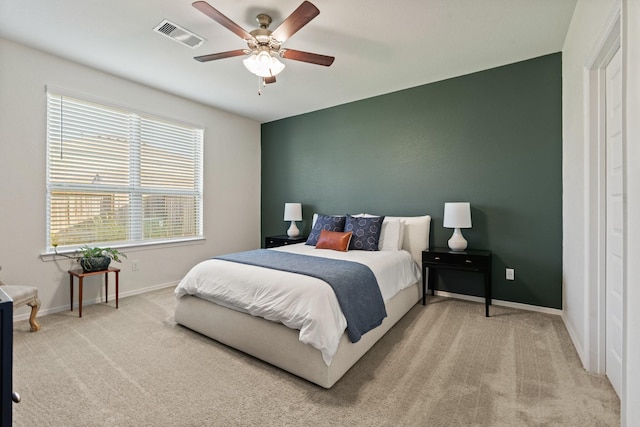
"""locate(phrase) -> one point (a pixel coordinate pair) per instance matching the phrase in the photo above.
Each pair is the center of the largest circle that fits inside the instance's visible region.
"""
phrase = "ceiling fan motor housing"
(262, 38)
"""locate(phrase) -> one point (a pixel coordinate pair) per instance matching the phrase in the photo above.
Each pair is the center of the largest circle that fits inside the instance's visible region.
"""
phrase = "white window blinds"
(117, 177)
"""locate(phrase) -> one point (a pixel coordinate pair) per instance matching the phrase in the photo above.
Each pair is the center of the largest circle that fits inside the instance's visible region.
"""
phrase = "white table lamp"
(457, 215)
(293, 213)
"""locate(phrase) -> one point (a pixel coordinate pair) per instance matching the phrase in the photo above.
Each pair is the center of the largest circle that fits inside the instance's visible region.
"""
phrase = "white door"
(615, 222)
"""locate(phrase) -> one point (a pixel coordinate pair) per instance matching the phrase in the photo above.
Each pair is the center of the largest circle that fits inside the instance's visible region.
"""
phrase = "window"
(117, 178)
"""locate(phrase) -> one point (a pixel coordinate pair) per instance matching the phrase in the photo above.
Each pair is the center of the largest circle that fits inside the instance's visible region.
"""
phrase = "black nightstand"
(275, 241)
(478, 261)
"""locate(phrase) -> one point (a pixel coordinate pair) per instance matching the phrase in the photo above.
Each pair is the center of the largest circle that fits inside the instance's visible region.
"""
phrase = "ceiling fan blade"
(221, 55)
(298, 19)
(214, 14)
(312, 58)
(271, 79)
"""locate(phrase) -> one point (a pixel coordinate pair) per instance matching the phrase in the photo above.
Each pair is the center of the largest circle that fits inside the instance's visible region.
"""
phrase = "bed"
(288, 342)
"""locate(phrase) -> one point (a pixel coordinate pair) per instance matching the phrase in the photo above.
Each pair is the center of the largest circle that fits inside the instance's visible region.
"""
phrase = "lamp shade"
(293, 212)
(262, 64)
(457, 215)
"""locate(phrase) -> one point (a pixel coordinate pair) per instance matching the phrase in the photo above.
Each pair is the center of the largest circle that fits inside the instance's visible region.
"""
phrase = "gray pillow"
(366, 232)
(325, 222)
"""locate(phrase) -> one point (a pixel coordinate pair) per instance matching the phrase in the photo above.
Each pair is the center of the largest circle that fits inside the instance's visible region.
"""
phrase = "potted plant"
(98, 259)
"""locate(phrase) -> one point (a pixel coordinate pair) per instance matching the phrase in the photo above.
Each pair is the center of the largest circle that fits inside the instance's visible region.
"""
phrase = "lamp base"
(293, 230)
(457, 242)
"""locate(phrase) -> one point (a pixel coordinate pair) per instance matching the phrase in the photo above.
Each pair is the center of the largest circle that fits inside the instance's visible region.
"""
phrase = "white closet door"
(615, 222)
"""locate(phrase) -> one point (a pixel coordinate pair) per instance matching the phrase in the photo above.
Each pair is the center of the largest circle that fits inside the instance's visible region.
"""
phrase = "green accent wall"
(492, 138)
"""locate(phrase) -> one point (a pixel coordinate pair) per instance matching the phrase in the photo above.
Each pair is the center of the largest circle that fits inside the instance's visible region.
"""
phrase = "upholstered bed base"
(279, 345)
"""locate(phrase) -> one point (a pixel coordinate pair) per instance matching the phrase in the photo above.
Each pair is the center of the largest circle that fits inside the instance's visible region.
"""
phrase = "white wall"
(231, 177)
(588, 22)
(631, 60)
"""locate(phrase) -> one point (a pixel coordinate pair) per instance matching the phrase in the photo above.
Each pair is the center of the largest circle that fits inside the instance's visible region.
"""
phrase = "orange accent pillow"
(336, 240)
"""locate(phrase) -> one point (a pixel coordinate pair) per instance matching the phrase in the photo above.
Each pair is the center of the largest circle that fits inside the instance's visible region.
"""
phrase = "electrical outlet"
(135, 265)
(511, 274)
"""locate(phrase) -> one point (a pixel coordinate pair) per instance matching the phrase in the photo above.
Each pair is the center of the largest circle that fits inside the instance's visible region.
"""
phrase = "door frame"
(595, 194)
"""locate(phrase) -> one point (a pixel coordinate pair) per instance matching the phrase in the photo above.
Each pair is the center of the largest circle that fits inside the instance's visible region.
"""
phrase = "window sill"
(137, 247)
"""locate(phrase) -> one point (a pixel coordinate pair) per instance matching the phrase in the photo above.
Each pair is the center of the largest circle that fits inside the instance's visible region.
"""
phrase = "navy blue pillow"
(366, 232)
(325, 222)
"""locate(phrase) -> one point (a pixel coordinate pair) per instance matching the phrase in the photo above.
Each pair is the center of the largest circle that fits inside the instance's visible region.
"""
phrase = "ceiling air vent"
(179, 34)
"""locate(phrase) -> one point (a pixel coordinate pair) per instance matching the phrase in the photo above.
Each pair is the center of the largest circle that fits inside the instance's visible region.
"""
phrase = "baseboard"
(97, 300)
(501, 303)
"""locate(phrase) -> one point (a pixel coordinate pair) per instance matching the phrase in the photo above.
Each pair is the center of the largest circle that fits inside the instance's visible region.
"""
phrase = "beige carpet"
(442, 365)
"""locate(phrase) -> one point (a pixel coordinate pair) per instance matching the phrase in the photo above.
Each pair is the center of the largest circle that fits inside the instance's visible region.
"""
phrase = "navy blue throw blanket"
(354, 284)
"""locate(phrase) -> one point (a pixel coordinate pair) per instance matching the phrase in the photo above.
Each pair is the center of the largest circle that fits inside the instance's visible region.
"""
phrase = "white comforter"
(297, 301)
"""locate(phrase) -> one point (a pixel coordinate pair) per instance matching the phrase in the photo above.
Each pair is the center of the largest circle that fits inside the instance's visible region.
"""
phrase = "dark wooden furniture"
(478, 261)
(275, 241)
(6, 358)
(80, 274)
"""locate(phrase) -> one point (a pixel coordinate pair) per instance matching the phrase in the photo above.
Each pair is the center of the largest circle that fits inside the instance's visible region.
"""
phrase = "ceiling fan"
(263, 45)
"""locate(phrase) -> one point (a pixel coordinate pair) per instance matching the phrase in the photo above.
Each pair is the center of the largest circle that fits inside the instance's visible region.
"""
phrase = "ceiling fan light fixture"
(262, 64)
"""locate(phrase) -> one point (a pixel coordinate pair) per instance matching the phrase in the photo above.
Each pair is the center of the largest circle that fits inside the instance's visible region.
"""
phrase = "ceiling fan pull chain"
(259, 89)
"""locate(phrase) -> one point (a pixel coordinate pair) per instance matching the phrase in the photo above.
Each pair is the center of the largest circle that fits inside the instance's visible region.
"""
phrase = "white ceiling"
(380, 46)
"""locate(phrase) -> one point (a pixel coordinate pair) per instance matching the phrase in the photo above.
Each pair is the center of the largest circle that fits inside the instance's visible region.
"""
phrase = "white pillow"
(416, 235)
(391, 235)
(403, 228)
